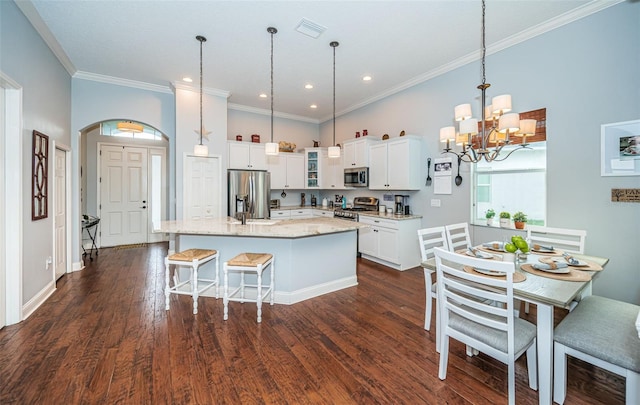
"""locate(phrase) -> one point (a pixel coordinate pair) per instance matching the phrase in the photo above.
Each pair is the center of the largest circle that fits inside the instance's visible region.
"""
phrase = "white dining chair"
(430, 238)
(568, 240)
(601, 332)
(468, 314)
(458, 236)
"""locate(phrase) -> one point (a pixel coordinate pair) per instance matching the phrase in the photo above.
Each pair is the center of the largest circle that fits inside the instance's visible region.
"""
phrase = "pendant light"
(271, 148)
(200, 149)
(334, 151)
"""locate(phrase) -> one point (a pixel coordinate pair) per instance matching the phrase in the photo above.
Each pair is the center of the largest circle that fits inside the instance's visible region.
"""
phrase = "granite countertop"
(396, 217)
(376, 214)
(301, 207)
(262, 228)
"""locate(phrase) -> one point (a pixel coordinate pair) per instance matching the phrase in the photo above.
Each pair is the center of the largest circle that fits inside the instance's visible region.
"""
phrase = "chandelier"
(129, 126)
(479, 142)
(200, 149)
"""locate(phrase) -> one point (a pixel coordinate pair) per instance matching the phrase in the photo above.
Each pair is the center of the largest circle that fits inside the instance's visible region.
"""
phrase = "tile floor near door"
(104, 337)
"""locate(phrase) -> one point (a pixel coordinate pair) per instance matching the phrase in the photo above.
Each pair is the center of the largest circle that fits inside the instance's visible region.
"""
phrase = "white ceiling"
(399, 43)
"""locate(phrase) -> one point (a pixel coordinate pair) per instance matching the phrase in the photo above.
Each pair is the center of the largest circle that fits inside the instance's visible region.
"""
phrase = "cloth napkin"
(570, 259)
(542, 248)
(549, 266)
(479, 254)
(494, 245)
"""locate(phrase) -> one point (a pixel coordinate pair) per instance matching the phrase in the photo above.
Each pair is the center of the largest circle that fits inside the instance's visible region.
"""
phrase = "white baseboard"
(35, 302)
(285, 298)
(77, 266)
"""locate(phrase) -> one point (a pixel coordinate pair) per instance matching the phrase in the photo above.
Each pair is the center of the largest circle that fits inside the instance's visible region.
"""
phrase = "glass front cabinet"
(312, 160)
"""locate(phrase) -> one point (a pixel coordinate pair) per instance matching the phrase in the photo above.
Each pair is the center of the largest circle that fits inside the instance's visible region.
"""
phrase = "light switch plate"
(435, 202)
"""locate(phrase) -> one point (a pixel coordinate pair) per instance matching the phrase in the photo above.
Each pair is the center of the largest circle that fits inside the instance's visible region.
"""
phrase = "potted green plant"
(505, 219)
(489, 216)
(519, 219)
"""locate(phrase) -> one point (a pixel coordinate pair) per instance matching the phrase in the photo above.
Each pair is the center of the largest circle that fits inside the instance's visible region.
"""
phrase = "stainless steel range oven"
(360, 204)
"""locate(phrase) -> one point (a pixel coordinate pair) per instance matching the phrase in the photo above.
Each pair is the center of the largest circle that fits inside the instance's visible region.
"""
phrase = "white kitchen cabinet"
(280, 214)
(322, 172)
(322, 213)
(246, 156)
(301, 213)
(390, 242)
(287, 171)
(331, 172)
(395, 164)
(356, 152)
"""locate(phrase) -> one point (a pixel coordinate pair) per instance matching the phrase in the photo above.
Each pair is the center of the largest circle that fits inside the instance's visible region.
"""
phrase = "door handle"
(144, 206)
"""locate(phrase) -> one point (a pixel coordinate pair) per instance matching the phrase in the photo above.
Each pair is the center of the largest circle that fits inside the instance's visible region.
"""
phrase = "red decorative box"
(255, 138)
(238, 137)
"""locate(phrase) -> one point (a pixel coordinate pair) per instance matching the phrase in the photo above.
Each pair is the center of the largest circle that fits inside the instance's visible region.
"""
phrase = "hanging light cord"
(334, 44)
(272, 30)
(484, 47)
(201, 39)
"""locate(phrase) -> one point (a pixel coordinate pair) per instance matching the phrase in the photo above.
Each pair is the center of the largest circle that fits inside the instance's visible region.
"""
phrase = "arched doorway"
(123, 181)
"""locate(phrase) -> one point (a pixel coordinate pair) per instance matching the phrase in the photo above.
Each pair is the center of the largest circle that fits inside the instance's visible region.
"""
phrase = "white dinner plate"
(563, 260)
(490, 272)
(563, 270)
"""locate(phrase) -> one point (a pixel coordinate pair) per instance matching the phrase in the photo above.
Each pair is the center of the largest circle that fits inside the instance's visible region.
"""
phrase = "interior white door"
(203, 187)
(3, 246)
(60, 218)
(123, 195)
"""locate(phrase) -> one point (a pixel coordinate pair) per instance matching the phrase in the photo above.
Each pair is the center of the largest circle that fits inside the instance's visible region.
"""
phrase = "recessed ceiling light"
(308, 86)
(187, 79)
(262, 95)
(366, 78)
(313, 106)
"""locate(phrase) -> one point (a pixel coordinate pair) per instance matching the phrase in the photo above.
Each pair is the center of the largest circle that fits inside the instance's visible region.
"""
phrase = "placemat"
(591, 265)
(517, 277)
(556, 252)
(572, 275)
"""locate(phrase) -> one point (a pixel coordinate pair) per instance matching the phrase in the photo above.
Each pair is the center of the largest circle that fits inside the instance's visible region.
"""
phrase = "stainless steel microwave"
(356, 177)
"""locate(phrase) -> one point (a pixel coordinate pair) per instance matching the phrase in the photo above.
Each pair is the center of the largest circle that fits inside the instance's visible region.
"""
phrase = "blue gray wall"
(46, 107)
(586, 75)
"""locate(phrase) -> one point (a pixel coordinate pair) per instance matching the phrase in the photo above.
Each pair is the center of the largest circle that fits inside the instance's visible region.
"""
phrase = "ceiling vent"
(307, 27)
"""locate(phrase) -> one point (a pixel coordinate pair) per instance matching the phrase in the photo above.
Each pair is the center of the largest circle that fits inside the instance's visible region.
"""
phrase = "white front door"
(123, 195)
(60, 218)
(202, 187)
(3, 247)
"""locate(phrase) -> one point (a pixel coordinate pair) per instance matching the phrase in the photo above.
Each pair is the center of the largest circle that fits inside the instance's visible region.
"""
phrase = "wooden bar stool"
(243, 263)
(193, 258)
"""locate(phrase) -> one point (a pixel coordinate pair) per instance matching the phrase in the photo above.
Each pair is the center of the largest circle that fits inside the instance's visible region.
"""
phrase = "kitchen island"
(313, 256)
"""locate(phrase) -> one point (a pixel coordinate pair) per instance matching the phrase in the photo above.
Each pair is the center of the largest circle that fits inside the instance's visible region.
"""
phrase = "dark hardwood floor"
(104, 337)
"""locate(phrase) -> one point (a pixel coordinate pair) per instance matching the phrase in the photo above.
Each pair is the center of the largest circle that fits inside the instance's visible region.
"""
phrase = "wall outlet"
(48, 262)
(435, 202)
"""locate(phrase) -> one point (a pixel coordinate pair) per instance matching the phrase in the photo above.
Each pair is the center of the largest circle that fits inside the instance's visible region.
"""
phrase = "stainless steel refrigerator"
(249, 191)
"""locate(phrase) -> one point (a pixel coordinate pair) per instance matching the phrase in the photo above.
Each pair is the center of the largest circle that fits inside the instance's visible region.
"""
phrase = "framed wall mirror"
(40, 172)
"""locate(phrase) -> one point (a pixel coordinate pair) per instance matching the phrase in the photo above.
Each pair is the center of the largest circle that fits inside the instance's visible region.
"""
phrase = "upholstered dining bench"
(602, 332)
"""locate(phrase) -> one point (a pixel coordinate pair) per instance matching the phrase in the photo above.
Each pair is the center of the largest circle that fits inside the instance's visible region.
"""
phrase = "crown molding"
(262, 111)
(95, 77)
(206, 90)
(559, 21)
(29, 11)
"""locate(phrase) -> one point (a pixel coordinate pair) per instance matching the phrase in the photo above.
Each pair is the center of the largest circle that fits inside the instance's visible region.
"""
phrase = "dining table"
(546, 293)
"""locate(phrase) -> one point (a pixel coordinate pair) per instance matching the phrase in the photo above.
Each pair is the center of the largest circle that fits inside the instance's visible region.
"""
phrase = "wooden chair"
(428, 239)
(193, 258)
(468, 314)
(458, 236)
(253, 263)
(602, 332)
(568, 240)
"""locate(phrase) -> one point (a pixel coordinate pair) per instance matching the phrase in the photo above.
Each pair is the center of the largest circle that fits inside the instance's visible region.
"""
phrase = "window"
(110, 128)
(515, 184)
